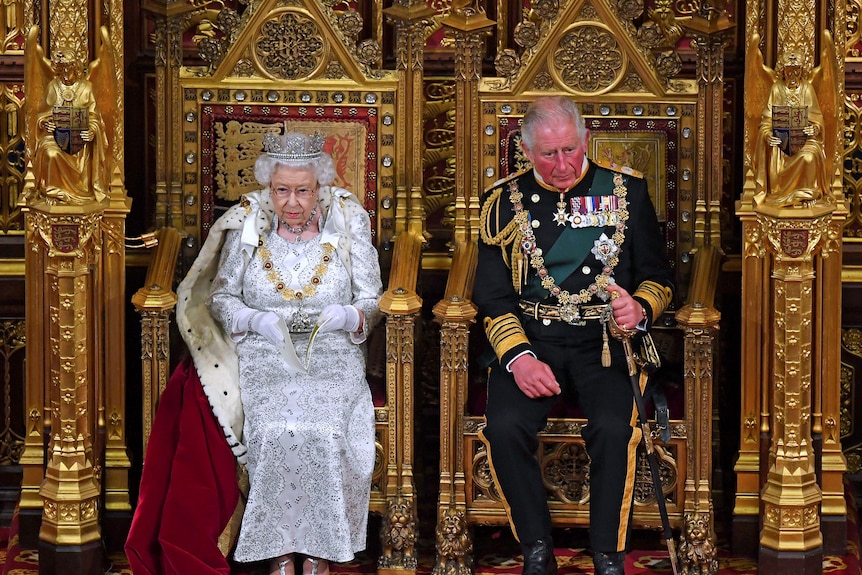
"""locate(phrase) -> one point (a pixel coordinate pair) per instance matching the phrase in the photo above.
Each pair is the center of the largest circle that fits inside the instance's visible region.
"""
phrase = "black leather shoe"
(539, 557)
(610, 563)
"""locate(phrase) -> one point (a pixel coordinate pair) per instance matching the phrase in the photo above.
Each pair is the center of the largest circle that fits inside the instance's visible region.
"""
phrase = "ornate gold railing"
(155, 302)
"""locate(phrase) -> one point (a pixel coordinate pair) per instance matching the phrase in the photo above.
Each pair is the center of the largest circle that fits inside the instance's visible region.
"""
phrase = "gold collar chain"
(275, 276)
(610, 247)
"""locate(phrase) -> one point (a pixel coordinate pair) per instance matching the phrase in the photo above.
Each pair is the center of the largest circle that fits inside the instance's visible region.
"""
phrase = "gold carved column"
(409, 18)
(710, 29)
(826, 393)
(791, 498)
(36, 377)
(68, 240)
(698, 319)
(168, 40)
(75, 206)
(755, 374)
(826, 408)
(110, 337)
(469, 25)
(790, 466)
(455, 313)
(401, 306)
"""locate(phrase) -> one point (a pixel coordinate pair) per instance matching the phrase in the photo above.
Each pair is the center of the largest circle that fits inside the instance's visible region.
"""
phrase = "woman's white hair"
(313, 159)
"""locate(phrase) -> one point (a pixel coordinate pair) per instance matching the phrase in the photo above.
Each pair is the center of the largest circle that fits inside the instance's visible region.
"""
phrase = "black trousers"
(611, 436)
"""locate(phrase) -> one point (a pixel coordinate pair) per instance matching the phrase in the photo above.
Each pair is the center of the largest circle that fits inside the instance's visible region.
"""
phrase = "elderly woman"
(288, 263)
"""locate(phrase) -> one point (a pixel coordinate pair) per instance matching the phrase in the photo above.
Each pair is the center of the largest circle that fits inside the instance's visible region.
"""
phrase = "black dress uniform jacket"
(643, 269)
(519, 221)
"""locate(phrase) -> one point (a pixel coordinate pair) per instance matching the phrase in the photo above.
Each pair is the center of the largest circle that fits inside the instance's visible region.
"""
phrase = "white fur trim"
(212, 350)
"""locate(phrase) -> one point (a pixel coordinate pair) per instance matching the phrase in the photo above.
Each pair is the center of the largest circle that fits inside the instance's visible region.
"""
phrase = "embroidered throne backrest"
(254, 85)
(231, 141)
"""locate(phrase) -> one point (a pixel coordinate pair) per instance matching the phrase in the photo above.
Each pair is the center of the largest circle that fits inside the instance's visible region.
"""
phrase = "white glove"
(242, 321)
(266, 324)
(336, 316)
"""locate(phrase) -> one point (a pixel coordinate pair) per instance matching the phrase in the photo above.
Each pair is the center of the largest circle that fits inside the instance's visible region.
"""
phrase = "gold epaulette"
(615, 167)
(489, 219)
(657, 296)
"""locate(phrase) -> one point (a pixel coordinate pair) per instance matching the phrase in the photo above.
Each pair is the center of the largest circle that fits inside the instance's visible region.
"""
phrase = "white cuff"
(358, 337)
(509, 365)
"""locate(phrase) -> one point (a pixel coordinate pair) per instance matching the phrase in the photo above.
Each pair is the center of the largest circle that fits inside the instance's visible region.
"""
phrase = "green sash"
(573, 245)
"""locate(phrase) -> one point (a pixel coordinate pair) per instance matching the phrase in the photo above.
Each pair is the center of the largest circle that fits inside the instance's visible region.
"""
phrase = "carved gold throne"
(250, 85)
(638, 118)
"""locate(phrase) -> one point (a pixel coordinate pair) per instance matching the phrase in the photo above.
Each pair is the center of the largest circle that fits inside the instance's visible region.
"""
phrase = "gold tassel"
(606, 350)
(521, 274)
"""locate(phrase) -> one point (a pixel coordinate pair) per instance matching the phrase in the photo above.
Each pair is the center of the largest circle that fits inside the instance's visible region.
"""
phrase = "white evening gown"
(310, 436)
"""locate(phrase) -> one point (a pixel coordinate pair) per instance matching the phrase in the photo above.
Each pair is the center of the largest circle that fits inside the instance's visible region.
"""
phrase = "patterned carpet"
(496, 553)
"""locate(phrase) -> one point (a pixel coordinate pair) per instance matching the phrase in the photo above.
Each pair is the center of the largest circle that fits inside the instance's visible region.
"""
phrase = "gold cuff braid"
(504, 333)
(657, 296)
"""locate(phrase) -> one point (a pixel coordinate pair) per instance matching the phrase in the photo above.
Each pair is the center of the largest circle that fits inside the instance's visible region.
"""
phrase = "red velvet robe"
(188, 488)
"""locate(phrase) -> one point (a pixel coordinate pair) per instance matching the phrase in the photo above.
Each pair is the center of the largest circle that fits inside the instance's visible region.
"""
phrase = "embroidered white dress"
(310, 437)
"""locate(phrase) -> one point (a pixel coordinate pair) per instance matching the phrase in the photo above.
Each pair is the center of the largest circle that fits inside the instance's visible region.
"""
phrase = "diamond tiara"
(293, 147)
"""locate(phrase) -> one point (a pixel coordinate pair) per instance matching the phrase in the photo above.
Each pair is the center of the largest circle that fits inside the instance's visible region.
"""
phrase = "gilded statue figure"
(69, 122)
(794, 143)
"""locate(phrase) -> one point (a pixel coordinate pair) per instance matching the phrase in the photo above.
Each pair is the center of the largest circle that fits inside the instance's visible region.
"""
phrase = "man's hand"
(628, 312)
(534, 377)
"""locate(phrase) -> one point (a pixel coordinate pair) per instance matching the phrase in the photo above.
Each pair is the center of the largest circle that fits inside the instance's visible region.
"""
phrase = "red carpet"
(496, 554)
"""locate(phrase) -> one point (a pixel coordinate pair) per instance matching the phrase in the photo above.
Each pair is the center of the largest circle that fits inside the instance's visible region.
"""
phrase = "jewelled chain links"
(274, 275)
(531, 249)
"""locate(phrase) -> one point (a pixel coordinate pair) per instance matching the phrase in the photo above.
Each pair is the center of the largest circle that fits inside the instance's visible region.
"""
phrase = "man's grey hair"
(551, 110)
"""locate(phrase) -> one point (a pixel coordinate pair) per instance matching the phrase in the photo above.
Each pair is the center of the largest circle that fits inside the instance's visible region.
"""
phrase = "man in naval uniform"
(564, 247)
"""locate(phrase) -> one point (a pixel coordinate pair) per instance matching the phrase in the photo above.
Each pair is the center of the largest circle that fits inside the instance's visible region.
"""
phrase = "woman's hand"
(266, 324)
(335, 316)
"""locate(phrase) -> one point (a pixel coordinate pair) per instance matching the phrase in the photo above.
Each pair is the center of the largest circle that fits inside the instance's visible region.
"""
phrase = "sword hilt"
(618, 332)
(624, 336)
